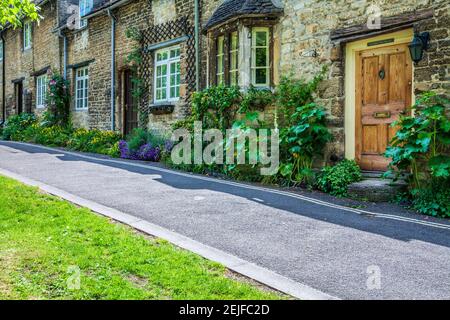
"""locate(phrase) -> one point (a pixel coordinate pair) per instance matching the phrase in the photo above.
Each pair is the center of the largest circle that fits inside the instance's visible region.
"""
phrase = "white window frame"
(1, 50)
(85, 6)
(27, 35)
(253, 57)
(82, 93)
(234, 54)
(220, 60)
(168, 62)
(41, 91)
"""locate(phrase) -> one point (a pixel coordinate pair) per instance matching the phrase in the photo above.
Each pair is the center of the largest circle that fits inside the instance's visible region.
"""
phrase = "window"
(260, 65)
(85, 8)
(27, 35)
(1, 50)
(220, 61)
(81, 88)
(226, 59)
(41, 91)
(234, 56)
(167, 75)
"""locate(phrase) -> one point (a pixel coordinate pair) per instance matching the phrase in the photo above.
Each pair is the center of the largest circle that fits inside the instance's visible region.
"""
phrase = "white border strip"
(245, 186)
(248, 269)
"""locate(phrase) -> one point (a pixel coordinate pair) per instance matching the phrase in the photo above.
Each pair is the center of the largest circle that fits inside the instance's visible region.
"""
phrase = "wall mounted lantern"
(419, 45)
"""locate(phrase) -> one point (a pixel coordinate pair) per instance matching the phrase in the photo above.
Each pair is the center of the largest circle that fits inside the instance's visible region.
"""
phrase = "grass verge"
(51, 249)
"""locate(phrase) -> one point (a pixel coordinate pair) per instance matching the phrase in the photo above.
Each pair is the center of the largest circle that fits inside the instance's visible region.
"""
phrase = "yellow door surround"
(351, 49)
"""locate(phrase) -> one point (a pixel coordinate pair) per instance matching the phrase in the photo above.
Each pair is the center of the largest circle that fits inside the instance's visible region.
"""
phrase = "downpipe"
(113, 69)
(3, 80)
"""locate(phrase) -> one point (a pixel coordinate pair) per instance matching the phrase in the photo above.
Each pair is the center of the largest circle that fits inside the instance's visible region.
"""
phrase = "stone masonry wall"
(307, 25)
(22, 64)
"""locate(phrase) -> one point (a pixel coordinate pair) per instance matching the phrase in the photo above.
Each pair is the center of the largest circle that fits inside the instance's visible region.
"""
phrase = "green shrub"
(434, 201)
(95, 141)
(422, 146)
(293, 93)
(422, 143)
(140, 136)
(58, 100)
(216, 107)
(16, 125)
(336, 179)
(302, 141)
(114, 151)
(55, 136)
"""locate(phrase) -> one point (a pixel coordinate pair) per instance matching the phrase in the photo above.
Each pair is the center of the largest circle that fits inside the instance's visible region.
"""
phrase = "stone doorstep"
(376, 189)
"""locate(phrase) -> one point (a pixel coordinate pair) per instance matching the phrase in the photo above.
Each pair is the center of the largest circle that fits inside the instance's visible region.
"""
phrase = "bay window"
(260, 59)
(234, 58)
(220, 61)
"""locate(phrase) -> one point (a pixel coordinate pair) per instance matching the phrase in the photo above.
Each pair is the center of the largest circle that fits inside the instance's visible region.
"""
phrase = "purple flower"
(149, 153)
(52, 82)
(146, 152)
(124, 151)
(168, 146)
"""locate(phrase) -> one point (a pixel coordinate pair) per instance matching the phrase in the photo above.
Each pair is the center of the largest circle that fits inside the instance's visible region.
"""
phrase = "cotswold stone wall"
(21, 63)
(92, 45)
(307, 26)
(172, 19)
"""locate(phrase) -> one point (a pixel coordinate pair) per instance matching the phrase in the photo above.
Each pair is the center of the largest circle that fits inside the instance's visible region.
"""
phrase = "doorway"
(130, 103)
(18, 96)
(383, 93)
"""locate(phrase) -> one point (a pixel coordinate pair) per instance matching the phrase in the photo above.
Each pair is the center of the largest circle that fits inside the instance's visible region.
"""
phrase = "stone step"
(376, 190)
(379, 175)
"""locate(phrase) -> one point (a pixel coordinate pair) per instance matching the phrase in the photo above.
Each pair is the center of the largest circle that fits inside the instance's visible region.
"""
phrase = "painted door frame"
(351, 50)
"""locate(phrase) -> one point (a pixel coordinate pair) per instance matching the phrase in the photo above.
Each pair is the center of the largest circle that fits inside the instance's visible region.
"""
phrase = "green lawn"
(45, 242)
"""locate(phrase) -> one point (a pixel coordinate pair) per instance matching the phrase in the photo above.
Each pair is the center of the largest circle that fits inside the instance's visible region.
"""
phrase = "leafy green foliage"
(336, 179)
(293, 93)
(422, 145)
(216, 107)
(302, 141)
(95, 141)
(15, 125)
(256, 99)
(134, 60)
(434, 201)
(140, 136)
(41, 237)
(303, 134)
(14, 11)
(58, 101)
(422, 142)
(26, 127)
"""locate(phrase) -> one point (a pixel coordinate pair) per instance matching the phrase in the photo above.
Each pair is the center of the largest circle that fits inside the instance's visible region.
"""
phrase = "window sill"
(81, 109)
(162, 108)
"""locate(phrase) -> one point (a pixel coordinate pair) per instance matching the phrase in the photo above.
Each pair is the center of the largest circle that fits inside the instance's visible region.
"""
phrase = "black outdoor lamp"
(418, 45)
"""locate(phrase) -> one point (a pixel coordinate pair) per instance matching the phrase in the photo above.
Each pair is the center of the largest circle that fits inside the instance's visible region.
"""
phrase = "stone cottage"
(186, 45)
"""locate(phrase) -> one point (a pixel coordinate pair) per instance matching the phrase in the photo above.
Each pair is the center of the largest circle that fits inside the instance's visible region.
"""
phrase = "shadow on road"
(399, 230)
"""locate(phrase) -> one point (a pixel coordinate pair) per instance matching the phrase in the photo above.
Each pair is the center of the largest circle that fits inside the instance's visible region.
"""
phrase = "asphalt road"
(350, 255)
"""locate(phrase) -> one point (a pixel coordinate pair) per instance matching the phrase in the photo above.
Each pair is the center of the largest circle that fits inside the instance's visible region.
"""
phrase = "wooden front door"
(130, 104)
(18, 96)
(383, 92)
